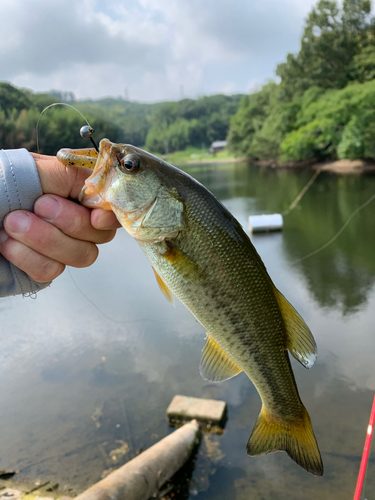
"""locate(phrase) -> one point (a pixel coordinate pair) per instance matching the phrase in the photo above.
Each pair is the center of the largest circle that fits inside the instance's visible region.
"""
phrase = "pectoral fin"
(216, 365)
(164, 289)
(300, 342)
(183, 264)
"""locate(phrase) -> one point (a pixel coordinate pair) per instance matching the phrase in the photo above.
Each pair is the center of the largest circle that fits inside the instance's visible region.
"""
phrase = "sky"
(147, 50)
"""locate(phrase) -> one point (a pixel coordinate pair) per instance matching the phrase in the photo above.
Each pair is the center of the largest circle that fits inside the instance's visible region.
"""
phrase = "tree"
(12, 98)
(362, 67)
(331, 38)
(249, 119)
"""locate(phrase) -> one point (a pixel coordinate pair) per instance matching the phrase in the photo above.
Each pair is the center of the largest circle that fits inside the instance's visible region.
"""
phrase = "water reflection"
(343, 274)
(77, 380)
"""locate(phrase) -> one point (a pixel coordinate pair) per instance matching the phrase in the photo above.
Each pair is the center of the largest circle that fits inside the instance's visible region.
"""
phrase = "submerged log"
(142, 477)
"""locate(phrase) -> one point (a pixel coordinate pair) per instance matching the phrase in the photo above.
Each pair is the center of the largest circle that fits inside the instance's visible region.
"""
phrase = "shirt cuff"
(19, 181)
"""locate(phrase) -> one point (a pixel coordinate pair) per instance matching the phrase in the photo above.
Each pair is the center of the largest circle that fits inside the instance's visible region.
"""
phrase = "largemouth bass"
(201, 255)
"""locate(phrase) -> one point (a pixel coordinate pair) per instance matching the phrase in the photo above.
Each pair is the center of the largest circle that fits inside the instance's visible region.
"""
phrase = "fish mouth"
(91, 195)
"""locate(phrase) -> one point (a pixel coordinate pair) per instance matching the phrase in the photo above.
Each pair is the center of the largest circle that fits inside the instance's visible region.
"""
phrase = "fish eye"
(130, 164)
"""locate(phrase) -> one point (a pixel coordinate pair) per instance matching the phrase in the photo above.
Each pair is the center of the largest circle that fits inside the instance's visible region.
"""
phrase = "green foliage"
(197, 123)
(362, 67)
(131, 119)
(250, 118)
(358, 136)
(315, 140)
(331, 38)
(175, 137)
(324, 106)
(339, 124)
(59, 128)
(163, 126)
(12, 98)
(261, 123)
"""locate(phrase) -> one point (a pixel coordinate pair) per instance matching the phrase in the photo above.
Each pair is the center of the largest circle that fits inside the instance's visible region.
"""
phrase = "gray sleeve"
(19, 188)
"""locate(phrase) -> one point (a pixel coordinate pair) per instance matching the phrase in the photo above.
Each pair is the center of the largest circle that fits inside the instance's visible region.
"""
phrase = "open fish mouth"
(103, 176)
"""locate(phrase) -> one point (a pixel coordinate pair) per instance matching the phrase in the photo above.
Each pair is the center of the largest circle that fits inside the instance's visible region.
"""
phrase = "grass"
(191, 154)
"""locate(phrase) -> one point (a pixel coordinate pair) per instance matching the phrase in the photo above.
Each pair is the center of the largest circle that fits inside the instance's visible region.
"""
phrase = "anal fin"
(300, 341)
(164, 289)
(216, 365)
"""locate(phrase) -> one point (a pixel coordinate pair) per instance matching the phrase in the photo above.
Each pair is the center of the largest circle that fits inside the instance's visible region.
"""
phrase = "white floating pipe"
(264, 223)
(141, 478)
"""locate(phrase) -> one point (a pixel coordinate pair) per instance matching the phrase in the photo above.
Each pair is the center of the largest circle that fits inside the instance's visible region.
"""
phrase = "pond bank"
(337, 166)
(25, 489)
(212, 160)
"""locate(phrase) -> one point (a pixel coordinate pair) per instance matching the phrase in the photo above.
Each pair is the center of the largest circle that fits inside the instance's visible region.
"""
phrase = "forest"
(324, 104)
(161, 128)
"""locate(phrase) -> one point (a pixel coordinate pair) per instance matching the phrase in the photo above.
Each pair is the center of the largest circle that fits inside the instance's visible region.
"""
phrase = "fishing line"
(338, 233)
(89, 300)
(50, 106)
(302, 193)
(89, 131)
(103, 313)
(93, 303)
(298, 199)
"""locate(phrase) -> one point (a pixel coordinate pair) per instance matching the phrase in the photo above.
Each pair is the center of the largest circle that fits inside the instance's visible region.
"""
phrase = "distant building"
(217, 146)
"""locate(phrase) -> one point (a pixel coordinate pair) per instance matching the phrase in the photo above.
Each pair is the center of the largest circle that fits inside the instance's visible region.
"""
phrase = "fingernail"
(105, 221)
(47, 207)
(3, 236)
(17, 222)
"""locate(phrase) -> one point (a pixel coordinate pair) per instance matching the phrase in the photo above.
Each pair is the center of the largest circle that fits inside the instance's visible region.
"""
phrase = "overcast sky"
(156, 49)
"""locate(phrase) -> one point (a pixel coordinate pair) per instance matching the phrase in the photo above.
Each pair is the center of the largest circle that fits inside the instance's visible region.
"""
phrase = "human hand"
(60, 232)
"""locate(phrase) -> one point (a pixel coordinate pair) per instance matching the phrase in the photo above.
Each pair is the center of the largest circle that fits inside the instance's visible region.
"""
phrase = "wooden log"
(142, 477)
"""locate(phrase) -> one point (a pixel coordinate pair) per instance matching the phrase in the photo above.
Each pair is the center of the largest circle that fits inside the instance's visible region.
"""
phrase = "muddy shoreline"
(337, 166)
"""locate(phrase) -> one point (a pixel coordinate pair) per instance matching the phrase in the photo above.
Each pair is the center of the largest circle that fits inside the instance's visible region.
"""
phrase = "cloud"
(151, 47)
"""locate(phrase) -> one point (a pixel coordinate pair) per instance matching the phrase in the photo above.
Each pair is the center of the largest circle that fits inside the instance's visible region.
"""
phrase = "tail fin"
(295, 437)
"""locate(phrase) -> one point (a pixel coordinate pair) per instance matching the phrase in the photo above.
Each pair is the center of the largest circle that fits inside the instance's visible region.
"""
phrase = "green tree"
(331, 38)
(12, 98)
(337, 124)
(249, 119)
(362, 67)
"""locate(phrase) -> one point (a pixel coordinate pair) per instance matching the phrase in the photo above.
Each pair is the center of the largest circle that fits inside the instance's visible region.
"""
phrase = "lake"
(91, 365)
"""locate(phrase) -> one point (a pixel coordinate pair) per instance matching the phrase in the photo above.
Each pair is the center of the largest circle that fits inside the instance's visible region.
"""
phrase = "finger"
(37, 266)
(48, 240)
(104, 219)
(72, 219)
(56, 178)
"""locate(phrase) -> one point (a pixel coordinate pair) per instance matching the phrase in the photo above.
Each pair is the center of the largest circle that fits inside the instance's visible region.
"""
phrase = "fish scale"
(201, 255)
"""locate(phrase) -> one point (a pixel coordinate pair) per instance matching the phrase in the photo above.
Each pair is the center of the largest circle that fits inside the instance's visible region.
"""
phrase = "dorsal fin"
(216, 366)
(164, 289)
(300, 342)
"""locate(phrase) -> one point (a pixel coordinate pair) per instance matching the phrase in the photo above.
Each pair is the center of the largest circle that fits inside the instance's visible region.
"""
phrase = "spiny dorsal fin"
(216, 366)
(300, 342)
(164, 289)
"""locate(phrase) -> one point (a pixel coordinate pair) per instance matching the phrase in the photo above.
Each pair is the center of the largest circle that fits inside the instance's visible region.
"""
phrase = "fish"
(201, 255)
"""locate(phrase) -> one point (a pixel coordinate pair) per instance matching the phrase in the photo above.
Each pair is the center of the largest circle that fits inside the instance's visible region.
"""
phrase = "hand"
(60, 232)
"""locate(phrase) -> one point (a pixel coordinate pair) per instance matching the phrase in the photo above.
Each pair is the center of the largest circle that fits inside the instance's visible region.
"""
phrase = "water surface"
(79, 380)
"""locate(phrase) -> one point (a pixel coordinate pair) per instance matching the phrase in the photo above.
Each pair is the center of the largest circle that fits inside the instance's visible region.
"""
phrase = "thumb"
(57, 178)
